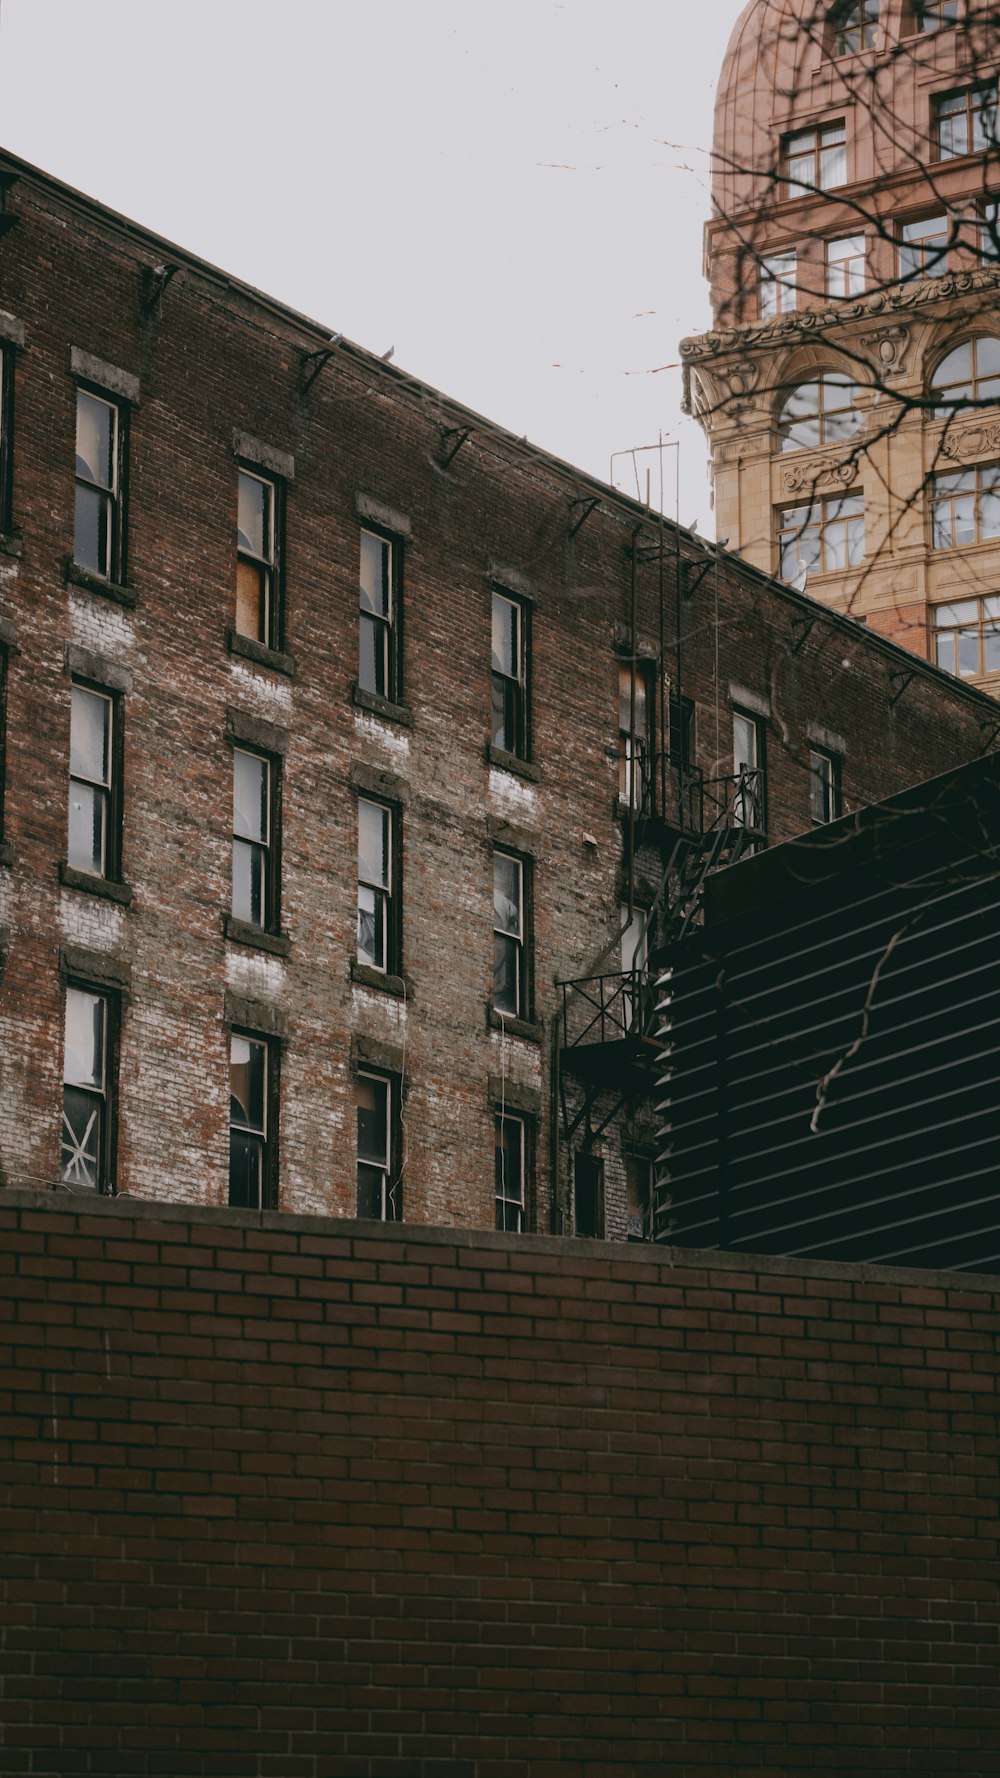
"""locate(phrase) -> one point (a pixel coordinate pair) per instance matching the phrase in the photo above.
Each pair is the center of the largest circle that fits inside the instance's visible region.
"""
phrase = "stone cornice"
(806, 324)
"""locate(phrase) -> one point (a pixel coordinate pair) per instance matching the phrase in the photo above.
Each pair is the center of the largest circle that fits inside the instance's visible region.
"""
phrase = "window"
(820, 412)
(98, 529)
(845, 267)
(588, 1197)
(634, 732)
(971, 373)
(965, 506)
(966, 122)
(934, 15)
(6, 405)
(257, 562)
(3, 732)
(923, 247)
(378, 668)
(815, 160)
(748, 772)
(94, 841)
(967, 636)
(988, 232)
(255, 853)
(378, 902)
(635, 962)
(510, 1171)
(509, 677)
(778, 287)
(86, 1149)
(638, 1196)
(824, 537)
(379, 1183)
(855, 27)
(252, 1118)
(509, 950)
(681, 716)
(824, 786)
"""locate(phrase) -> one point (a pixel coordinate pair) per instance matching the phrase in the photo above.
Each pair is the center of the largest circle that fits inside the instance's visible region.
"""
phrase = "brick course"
(295, 1498)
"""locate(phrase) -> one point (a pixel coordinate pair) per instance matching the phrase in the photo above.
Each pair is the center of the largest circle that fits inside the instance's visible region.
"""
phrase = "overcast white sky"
(510, 195)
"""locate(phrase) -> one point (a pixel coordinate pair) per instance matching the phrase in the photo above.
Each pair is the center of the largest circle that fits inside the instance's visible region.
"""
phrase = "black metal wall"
(831, 1079)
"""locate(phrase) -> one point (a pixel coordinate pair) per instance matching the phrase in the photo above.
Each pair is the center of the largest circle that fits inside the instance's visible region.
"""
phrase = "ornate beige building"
(850, 387)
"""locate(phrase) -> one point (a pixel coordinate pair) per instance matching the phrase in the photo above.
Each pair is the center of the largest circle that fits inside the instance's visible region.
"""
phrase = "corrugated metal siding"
(881, 972)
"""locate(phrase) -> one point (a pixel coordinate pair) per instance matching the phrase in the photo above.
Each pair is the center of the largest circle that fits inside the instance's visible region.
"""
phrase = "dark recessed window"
(509, 948)
(509, 676)
(378, 897)
(379, 662)
(255, 848)
(824, 786)
(252, 1120)
(94, 840)
(510, 1149)
(98, 531)
(258, 585)
(379, 1184)
(6, 411)
(635, 722)
(87, 1113)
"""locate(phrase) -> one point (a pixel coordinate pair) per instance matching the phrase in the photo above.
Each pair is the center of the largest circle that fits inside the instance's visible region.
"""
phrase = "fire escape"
(607, 1019)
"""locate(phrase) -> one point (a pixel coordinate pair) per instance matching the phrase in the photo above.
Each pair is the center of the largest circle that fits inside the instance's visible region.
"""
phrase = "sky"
(512, 197)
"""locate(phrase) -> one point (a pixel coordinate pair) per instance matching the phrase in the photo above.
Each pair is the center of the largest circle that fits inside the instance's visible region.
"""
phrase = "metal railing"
(654, 786)
(607, 1008)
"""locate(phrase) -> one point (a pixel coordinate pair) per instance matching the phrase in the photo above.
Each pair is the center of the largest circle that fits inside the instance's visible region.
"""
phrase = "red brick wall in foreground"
(293, 1498)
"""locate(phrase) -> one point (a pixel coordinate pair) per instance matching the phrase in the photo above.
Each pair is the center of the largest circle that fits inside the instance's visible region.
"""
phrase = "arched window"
(820, 412)
(970, 373)
(854, 27)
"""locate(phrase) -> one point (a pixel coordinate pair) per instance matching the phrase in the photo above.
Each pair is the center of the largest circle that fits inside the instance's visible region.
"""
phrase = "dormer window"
(855, 27)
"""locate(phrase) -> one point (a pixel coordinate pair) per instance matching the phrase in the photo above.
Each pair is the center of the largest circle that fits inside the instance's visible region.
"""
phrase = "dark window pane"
(248, 882)
(87, 828)
(92, 530)
(248, 1082)
(246, 1158)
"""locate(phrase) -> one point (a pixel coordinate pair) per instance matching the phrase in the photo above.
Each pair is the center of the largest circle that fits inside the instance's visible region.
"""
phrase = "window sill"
(373, 702)
(262, 656)
(529, 1029)
(10, 545)
(399, 985)
(243, 932)
(510, 762)
(105, 887)
(96, 583)
(6, 853)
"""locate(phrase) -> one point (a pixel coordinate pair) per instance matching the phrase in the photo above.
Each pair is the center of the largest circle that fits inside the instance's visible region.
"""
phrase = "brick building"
(850, 382)
(340, 727)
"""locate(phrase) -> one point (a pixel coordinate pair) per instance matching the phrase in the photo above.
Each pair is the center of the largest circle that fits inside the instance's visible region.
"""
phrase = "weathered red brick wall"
(299, 1499)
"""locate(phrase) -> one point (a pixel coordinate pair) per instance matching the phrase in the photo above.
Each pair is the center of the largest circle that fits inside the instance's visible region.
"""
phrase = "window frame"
(511, 737)
(972, 386)
(269, 848)
(925, 256)
(824, 416)
(505, 1202)
(4, 683)
(390, 627)
(747, 803)
(984, 624)
(266, 1135)
(824, 786)
(270, 633)
(116, 494)
(390, 890)
(6, 435)
(520, 942)
(963, 101)
(391, 1186)
(104, 1097)
(927, 16)
(819, 143)
(865, 27)
(111, 790)
(846, 264)
(583, 1161)
(778, 289)
(640, 671)
(978, 491)
(830, 513)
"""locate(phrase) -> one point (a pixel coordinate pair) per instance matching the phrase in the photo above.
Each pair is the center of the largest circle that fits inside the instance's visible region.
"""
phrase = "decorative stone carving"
(818, 473)
(982, 440)
(887, 349)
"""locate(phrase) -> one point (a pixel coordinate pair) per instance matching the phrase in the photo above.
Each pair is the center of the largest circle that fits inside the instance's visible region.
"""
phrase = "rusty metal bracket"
(155, 279)
(313, 362)
(806, 625)
(460, 435)
(691, 582)
(901, 679)
(588, 504)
